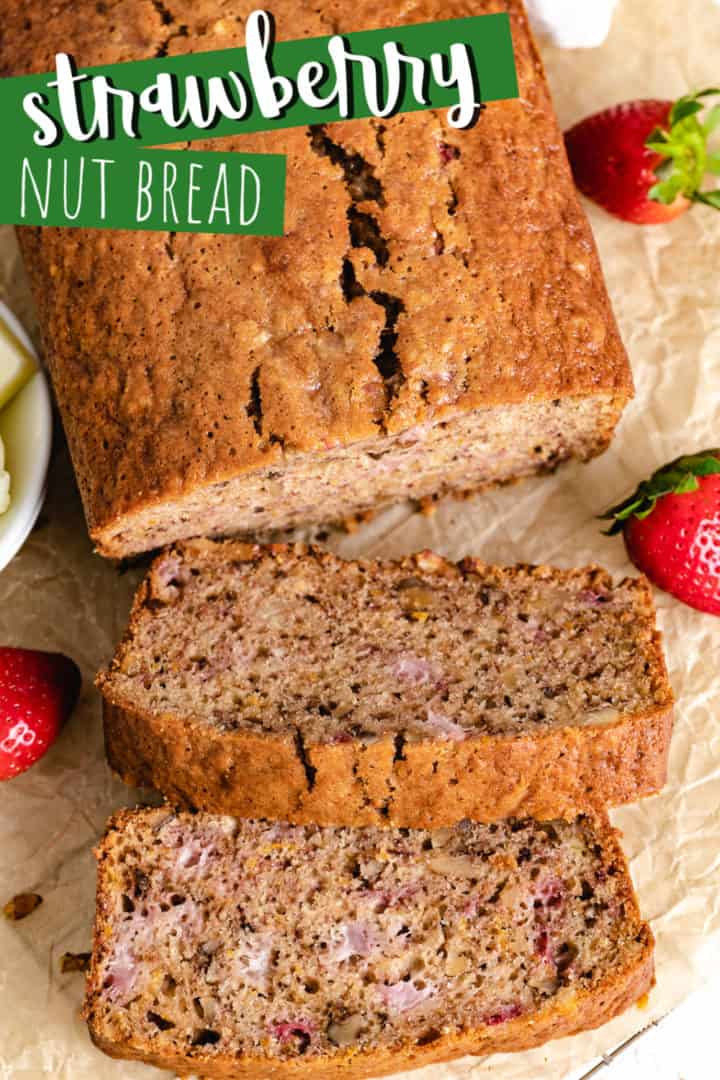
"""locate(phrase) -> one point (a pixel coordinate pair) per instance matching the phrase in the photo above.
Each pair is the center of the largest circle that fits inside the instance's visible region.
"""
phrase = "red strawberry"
(671, 527)
(645, 161)
(38, 691)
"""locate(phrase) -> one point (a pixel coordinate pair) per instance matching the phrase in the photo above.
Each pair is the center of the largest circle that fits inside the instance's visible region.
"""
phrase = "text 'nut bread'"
(286, 683)
(434, 319)
(248, 950)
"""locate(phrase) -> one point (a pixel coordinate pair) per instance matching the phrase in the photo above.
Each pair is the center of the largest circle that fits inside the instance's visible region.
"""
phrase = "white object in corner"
(26, 430)
(572, 24)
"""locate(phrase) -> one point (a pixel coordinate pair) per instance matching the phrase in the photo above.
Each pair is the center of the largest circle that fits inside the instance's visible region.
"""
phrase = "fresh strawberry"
(38, 691)
(671, 527)
(645, 161)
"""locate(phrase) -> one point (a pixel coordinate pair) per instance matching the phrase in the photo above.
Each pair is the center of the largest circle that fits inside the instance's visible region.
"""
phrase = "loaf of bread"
(434, 319)
(251, 950)
(286, 683)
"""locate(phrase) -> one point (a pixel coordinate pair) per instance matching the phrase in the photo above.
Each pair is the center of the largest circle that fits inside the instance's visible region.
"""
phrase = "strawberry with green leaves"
(671, 527)
(646, 161)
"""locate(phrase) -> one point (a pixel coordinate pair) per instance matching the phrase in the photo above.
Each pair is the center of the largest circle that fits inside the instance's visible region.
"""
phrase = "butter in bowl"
(25, 435)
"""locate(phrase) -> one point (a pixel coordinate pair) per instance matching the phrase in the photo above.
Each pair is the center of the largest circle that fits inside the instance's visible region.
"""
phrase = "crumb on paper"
(427, 506)
(22, 905)
(71, 961)
(643, 1002)
(354, 522)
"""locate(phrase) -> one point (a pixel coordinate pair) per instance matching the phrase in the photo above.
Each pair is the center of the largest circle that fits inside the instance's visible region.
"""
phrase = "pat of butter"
(4, 482)
(17, 365)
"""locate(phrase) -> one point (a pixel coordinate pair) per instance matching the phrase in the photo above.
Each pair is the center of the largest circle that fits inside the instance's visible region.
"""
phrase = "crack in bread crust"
(484, 779)
(364, 188)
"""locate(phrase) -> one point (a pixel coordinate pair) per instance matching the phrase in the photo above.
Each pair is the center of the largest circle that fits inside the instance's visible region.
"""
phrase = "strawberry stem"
(683, 147)
(677, 478)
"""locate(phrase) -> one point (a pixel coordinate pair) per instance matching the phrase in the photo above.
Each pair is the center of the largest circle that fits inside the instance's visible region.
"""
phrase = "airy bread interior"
(297, 641)
(468, 453)
(246, 938)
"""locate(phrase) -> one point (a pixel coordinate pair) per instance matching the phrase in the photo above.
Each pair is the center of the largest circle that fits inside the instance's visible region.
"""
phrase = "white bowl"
(26, 431)
(570, 24)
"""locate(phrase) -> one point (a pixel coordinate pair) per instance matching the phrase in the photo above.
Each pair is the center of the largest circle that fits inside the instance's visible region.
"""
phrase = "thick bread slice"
(286, 683)
(250, 950)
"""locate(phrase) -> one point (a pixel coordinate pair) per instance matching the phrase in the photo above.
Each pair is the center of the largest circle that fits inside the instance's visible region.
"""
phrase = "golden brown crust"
(569, 1013)
(559, 773)
(555, 772)
(160, 345)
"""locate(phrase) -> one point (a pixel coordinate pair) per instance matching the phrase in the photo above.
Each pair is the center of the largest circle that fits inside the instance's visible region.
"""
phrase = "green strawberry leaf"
(687, 483)
(679, 477)
(683, 108)
(704, 464)
(682, 146)
(712, 119)
(657, 135)
(667, 191)
(710, 198)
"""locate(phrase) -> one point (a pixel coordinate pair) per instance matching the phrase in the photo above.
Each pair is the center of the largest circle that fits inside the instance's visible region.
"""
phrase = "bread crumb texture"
(256, 947)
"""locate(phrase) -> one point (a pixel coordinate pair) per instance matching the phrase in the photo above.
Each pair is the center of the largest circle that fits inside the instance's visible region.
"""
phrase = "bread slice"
(245, 949)
(286, 683)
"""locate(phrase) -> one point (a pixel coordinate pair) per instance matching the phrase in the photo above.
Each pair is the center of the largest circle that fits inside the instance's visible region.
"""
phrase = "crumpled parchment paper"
(57, 595)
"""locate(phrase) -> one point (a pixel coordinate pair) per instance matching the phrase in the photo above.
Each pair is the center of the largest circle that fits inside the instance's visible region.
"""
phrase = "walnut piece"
(344, 1032)
(22, 905)
(70, 961)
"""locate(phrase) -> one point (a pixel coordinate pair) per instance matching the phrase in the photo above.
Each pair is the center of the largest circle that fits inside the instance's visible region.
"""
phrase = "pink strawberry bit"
(194, 856)
(594, 597)
(443, 726)
(404, 996)
(471, 907)
(354, 939)
(550, 893)
(286, 1031)
(543, 947)
(447, 152)
(257, 964)
(387, 898)
(415, 670)
(340, 737)
(169, 570)
(121, 974)
(503, 1014)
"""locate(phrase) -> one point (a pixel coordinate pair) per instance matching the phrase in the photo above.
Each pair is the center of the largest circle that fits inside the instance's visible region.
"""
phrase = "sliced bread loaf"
(286, 683)
(245, 949)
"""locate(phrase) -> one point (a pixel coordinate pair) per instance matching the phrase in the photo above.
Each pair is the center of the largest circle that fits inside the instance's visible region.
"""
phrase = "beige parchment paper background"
(57, 595)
